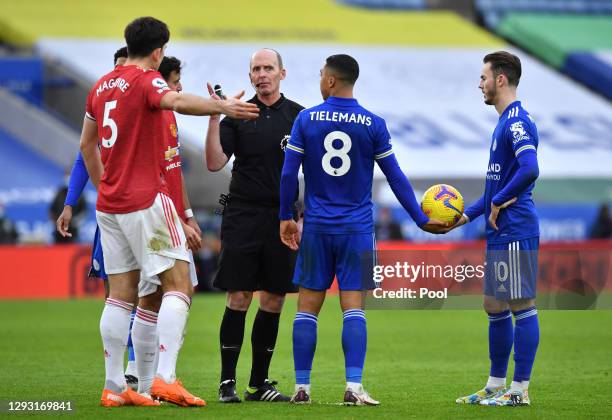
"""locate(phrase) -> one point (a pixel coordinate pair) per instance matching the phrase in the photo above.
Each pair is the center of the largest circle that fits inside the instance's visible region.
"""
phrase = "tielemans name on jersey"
(346, 117)
(119, 83)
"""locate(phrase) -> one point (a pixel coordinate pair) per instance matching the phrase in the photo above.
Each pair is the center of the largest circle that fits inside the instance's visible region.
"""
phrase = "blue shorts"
(97, 258)
(512, 270)
(349, 257)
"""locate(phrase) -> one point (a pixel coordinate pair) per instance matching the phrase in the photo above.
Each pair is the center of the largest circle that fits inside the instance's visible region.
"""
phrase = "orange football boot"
(127, 397)
(174, 393)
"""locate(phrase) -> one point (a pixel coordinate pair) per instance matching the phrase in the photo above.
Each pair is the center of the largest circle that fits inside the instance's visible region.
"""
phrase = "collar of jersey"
(275, 105)
(509, 107)
(131, 66)
(334, 100)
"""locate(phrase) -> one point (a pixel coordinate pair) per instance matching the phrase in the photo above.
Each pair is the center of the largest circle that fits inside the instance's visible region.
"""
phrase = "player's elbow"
(84, 147)
(215, 164)
(177, 105)
(213, 167)
(533, 173)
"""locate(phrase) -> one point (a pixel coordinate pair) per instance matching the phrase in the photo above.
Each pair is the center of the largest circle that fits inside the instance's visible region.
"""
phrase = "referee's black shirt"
(259, 149)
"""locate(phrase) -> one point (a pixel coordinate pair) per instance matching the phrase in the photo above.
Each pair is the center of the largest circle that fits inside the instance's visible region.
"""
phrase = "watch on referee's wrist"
(188, 213)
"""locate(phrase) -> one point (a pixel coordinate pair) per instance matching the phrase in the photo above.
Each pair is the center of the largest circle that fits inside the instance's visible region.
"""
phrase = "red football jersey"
(172, 163)
(125, 105)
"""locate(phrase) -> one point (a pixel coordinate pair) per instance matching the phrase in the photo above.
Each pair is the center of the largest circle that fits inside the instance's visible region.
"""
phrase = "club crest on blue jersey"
(518, 132)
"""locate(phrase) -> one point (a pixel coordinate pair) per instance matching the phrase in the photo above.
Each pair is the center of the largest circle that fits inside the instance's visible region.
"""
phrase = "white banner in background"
(429, 97)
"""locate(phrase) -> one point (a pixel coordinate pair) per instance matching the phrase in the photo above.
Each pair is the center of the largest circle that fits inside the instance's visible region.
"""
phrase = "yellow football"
(443, 202)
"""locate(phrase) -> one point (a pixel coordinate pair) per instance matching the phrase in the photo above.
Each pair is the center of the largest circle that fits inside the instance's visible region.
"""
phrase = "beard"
(490, 96)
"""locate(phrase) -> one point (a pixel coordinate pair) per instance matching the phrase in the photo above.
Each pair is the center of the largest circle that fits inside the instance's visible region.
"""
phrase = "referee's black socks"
(263, 340)
(230, 338)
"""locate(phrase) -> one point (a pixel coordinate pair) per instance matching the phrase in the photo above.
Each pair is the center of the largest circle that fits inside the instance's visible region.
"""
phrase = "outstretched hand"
(435, 226)
(462, 221)
(235, 108)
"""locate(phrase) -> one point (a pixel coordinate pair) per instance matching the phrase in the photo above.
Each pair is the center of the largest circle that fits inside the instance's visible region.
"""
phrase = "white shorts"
(149, 240)
(149, 285)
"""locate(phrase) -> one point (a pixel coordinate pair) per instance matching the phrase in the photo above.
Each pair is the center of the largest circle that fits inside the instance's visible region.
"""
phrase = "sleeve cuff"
(497, 201)
(423, 221)
(295, 148)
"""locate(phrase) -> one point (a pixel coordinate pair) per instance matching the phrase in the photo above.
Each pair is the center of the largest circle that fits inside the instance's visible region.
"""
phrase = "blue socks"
(354, 343)
(501, 335)
(526, 340)
(304, 345)
(130, 346)
(525, 337)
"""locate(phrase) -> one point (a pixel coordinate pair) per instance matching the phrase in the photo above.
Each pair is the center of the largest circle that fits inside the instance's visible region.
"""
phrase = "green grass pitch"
(418, 362)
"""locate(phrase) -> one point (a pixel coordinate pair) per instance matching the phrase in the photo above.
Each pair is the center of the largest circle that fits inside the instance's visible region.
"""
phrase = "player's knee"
(494, 306)
(106, 289)
(127, 296)
(521, 304)
(310, 301)
(239, 300)
(271, 302)
(122, 293)
(176, 279)
(351, 300)
(151, 302)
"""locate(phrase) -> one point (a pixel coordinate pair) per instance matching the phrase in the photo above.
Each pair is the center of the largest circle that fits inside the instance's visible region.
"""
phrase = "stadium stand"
(573, 36)
(36, 148)
(38, 129)
(26, 194)
(493, 11)
(314, 21)
(420, 72)
(569, 43)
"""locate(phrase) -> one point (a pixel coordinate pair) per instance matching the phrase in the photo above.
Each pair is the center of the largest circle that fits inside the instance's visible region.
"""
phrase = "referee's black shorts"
(252, 254)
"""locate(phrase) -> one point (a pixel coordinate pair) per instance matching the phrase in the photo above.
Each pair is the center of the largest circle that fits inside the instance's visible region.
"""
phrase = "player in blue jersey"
(337, 143)
(78, 180)
(512, 236)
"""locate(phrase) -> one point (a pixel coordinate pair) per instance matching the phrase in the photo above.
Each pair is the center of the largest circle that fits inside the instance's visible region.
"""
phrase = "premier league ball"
(443, 202)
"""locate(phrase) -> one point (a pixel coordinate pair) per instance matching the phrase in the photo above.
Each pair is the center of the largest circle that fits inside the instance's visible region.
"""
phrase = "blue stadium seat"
(492, 11)
(24, 167)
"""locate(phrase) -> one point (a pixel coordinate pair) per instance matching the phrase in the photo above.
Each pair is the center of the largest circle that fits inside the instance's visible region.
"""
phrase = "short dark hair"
(120, 53)
(145, 34)
(168, 65)
(503, 62)
(345, 67)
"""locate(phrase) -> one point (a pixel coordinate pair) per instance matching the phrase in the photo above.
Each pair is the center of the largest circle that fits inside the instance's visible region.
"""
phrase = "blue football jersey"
(514, 134)
(340, 141)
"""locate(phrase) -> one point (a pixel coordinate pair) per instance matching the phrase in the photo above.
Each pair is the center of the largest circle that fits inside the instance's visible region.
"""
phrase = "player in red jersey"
(140, 229)
(144, 330)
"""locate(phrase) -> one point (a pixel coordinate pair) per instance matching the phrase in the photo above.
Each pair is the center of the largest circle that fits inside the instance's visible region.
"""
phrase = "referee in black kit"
(252, 255)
